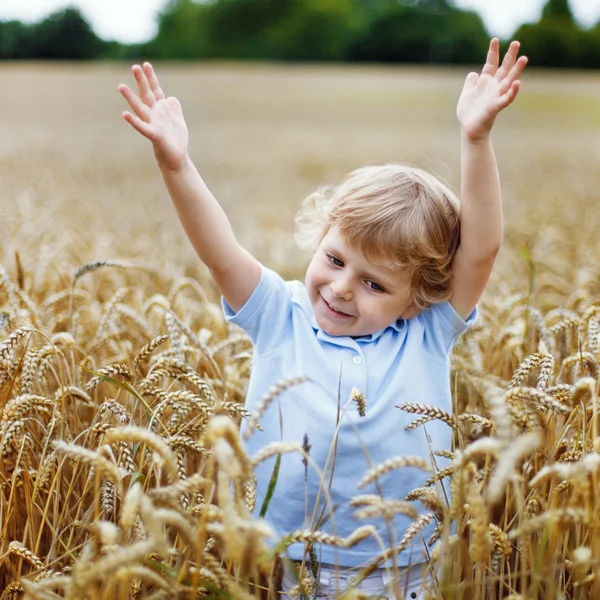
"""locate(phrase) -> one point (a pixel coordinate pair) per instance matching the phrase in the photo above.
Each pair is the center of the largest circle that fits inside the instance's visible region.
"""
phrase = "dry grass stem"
(123, 474)
(399, 462)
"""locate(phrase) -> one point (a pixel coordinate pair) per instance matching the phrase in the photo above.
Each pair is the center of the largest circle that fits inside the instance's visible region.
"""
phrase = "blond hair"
(396, 215)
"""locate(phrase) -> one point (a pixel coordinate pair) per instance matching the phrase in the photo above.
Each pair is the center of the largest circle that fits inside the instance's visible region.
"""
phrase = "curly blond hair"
(396, 215)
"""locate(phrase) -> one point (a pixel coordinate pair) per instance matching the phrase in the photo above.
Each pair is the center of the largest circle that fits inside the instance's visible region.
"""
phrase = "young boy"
(395, 278)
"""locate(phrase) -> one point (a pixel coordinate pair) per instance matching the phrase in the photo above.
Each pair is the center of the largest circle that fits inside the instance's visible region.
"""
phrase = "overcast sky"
(134, 20)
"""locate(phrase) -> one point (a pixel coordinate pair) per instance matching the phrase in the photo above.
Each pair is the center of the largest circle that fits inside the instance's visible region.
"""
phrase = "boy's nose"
(341, 288)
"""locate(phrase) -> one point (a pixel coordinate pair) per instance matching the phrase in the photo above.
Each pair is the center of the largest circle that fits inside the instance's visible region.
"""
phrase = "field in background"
(79, 185)
(263, 137)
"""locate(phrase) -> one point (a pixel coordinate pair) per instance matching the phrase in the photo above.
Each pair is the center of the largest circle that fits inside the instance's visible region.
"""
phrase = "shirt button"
(357, 360)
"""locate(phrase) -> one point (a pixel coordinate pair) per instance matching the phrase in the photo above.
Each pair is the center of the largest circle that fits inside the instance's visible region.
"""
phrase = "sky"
(132, 21)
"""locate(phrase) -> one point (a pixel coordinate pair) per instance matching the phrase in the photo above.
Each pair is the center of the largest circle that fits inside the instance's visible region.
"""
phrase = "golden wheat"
(86, 511)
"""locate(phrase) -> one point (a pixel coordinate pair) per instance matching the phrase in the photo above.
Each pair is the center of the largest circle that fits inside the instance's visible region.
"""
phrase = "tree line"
(387, 31)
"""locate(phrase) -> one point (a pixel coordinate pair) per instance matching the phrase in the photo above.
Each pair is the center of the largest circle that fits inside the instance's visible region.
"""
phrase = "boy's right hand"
(158, 118)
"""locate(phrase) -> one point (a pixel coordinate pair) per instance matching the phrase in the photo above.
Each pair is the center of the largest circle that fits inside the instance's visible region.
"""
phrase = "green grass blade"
(124, 386)
(271, 488)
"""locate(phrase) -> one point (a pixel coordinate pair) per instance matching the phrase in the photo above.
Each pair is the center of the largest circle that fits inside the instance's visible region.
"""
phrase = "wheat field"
(122, 387)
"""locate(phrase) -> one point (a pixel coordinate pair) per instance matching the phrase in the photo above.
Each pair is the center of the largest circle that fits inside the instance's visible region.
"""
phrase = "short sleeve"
(443, 325)
(266, 314)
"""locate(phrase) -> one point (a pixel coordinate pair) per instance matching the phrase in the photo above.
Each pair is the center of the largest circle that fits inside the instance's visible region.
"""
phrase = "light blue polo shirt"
(406, 362)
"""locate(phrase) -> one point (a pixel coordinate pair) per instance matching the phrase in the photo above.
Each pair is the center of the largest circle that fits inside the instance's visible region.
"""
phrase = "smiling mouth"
(335, 310)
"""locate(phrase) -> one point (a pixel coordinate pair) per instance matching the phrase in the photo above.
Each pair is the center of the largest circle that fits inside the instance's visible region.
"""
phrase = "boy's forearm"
(481, 201)
(201, 216)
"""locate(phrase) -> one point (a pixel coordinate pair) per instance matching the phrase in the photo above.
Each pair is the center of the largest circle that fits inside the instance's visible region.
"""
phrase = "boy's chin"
(331, 329)
(338, 330)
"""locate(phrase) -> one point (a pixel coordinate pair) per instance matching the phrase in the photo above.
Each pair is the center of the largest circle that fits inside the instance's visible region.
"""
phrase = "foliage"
(12, 39)
(256, 29)
(557, 40)
(422, 33)
(552, 43)
(411, 31)
(62, 35)
(315, 30)
(182, 32)
(558, 9)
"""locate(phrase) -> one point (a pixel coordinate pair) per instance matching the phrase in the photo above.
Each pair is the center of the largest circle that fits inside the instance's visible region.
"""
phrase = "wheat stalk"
(273, 392)
(398, 462)
(137, 434)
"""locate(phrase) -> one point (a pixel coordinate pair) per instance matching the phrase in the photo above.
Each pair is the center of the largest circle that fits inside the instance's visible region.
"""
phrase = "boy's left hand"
(485, 95)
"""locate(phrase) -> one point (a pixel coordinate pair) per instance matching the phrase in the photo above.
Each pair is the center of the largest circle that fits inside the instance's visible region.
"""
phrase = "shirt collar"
(301, 299)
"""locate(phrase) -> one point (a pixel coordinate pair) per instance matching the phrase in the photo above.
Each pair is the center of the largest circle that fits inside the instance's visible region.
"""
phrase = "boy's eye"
(374, 286)
(334, 260)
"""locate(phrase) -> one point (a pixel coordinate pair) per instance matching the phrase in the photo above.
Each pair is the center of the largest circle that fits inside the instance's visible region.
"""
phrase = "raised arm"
(235, 271)
(483, 97)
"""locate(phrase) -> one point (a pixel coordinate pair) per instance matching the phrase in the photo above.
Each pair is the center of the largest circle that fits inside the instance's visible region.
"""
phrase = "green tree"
(590, 58)
(118, 51)
(64, 35)
(315, 30)
(556, 41)
(429, 31)
(182, 32)
(244, 28)
(550, 43)
(13, 40)
(558, 9)
(256, 29)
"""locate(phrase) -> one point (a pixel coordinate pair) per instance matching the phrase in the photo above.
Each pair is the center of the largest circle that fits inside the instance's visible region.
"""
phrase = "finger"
(470, 82)
(509, 60)
(139, 125)
(510, 96)
(140, 109)
(146, 94)
(493, 56)
(153, 81)
(517, 70)
(514, 75)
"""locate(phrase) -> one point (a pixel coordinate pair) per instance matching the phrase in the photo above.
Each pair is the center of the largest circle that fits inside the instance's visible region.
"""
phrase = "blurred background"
(555, 33)
(282, 97)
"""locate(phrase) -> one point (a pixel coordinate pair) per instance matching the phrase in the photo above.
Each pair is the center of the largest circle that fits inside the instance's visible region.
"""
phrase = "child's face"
(352, 296)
